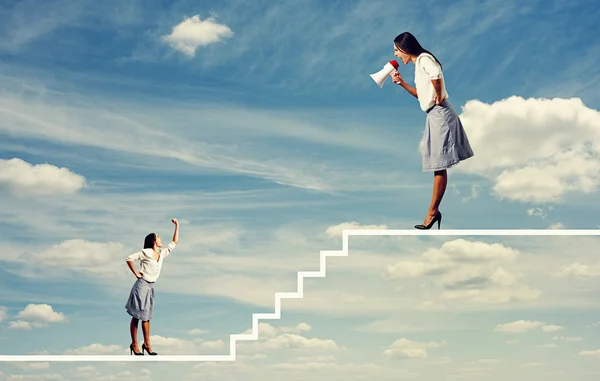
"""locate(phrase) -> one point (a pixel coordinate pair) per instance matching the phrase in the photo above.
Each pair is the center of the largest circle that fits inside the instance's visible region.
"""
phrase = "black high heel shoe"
(437, 218)
(136, 353)
(145, 348)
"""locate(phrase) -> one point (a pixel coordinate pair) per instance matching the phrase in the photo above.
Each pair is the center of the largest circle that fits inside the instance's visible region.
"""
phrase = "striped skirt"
(445, 141)
(140, 304)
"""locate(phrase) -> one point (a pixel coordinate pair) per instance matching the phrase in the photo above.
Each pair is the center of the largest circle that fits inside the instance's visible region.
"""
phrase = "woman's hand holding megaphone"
(396, 78)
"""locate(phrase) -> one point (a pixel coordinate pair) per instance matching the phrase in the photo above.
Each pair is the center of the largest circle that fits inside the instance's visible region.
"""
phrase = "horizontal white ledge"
(477, 232)
(113, 358)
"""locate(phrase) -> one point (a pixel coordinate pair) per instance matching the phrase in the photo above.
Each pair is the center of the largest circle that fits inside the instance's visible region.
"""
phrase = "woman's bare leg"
(133, 329)
(440, 180)
(146, 331)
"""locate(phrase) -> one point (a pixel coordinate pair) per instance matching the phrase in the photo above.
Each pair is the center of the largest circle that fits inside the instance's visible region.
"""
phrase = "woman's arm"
(437, 85)
(176, 232)
(411, 90)
(134, 257)
(132, 268)
(397, 79)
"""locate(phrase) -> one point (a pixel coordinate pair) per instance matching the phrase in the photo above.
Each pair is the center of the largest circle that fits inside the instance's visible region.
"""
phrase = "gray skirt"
(445, 141)
(140, 304)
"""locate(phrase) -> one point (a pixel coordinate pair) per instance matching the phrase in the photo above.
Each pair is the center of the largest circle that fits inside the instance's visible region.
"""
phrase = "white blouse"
(150, 267)
(427, 69)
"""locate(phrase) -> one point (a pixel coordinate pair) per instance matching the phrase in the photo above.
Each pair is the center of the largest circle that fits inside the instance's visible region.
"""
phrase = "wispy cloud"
(26, 21)
(201, 138)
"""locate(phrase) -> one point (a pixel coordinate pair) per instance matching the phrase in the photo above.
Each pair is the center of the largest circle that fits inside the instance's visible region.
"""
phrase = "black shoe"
(437, 218)
(145, 348)
(136, 353)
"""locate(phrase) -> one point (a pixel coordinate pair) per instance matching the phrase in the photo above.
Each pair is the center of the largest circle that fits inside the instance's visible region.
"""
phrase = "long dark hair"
(409, 44)
(149, 241)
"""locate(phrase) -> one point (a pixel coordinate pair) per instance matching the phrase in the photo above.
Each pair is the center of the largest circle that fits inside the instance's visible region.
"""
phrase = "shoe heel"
(131, 351)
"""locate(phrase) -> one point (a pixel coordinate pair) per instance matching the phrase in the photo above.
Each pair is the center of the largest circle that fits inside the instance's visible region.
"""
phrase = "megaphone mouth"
(387, 70)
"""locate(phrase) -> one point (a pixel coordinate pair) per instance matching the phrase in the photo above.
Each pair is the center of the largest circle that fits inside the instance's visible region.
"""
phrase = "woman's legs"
(133, 328)
(146, 331)
(440, 180)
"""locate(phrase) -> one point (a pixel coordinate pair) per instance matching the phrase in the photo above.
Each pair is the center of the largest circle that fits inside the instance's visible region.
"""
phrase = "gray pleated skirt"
(140, 304)
(445, 141)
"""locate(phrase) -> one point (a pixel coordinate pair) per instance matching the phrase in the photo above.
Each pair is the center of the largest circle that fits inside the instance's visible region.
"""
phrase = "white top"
(149, 267)
(426, 69)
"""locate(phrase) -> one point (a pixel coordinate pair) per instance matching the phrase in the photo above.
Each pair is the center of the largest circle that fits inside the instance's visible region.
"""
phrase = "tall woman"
(140, 304)
(445, 142)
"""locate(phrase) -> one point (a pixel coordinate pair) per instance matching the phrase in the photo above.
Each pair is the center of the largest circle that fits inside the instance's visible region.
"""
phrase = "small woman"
(140, 304)
(445, 142)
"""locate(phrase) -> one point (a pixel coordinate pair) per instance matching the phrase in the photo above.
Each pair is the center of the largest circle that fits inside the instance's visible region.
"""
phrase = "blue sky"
(258, 127)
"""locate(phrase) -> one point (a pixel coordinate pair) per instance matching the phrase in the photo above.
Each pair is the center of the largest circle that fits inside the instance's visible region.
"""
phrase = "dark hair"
(149, 241)
(408, 43)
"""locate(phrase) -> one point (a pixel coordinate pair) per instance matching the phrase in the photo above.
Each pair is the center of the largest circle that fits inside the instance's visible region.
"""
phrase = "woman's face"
(158, 241)
(402, 55)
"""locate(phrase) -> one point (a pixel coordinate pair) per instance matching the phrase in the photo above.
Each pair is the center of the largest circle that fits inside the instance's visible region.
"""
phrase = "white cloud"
(78, 253)
(556, 225)
(337, 230)
(20, 324)
(98, 258)
(37, 377)
(475, 192)
(3, 314)
(473, 271)
(193, 33)
(277, 338)
(33, 365)
(24, 179)
(540, 212)
(564, 132)
(568, 338)
(552, 328)
(269, 331)
(98, 349)
(531, 365)
(578, 270)
(592, 353)
(41, 312)
(404, 348)
(37, 316)
(518, 326)
(521, 326)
